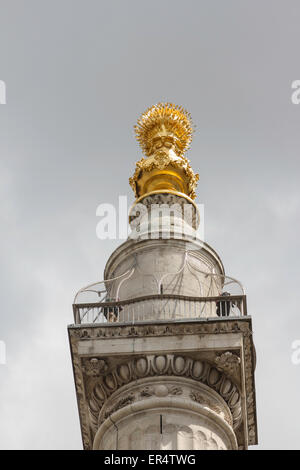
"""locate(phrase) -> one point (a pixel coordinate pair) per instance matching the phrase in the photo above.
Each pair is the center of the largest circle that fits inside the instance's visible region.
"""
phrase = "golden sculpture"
(164, 133)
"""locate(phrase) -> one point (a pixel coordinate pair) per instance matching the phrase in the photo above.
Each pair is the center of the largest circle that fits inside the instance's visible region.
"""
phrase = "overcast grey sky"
(78, 74)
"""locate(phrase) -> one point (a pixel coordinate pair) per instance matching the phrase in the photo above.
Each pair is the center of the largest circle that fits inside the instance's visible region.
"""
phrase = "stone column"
(165, 413)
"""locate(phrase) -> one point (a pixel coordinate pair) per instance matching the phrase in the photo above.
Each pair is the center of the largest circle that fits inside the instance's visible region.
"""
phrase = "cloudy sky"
(78, 74)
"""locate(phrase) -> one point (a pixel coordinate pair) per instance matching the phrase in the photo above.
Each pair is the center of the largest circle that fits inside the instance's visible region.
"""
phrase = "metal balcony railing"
(167, 298)
(160, 307)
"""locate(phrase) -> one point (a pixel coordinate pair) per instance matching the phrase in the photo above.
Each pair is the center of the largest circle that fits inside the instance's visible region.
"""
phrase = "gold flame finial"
(164, 119)
(164, 133)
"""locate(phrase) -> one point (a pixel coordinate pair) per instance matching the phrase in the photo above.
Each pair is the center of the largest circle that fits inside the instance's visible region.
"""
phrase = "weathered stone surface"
(158, 367)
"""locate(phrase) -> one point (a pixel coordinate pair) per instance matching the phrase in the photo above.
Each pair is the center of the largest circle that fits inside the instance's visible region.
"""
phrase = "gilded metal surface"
(164, 133)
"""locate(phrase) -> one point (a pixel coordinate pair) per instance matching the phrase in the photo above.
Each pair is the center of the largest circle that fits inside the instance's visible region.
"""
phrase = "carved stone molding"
(163, 365)
(80, 392)
(124, 401)
(160, 391)
(94, 367)
(177, 203)
(157, 387)
(168, 396)
(162, 329)
(229, 363)
(97, 383)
